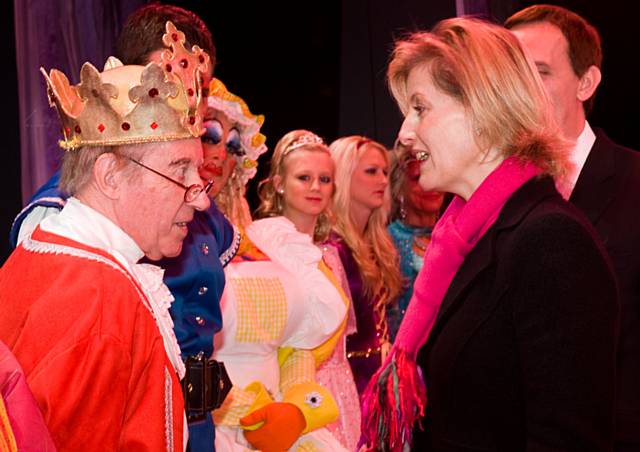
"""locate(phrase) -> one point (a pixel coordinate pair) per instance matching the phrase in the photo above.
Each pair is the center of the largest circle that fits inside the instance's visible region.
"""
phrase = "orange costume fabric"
(92, 353)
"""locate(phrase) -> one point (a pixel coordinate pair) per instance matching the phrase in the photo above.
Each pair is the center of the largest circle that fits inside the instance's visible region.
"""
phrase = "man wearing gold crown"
(196, 277)
(90, 325)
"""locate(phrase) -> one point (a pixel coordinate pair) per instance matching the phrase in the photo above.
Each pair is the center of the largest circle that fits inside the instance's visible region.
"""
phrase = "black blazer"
(608, 192)
(522, 354)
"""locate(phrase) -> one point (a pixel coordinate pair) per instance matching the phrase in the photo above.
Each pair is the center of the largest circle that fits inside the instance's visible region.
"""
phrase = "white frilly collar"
(81, 223)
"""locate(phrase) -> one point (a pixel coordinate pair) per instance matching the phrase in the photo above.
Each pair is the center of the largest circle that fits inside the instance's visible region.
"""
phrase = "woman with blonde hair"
(514, 311)
(334, 373)
(361, 206)
(282, 308)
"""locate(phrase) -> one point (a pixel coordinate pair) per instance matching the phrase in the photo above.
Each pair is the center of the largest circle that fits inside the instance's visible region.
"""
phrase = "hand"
(281, 425)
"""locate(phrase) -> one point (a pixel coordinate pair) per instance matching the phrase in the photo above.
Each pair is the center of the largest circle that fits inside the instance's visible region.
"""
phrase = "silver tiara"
(303, 140)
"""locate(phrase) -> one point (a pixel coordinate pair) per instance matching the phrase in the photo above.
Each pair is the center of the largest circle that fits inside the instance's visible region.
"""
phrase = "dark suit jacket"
(608, 192)
(522, 354)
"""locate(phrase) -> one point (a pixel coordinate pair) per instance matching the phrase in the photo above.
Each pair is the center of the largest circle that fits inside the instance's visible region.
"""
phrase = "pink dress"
(335, 373)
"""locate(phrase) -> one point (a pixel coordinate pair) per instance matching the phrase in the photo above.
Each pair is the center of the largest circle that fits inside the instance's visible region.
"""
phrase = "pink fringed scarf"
(395, 397)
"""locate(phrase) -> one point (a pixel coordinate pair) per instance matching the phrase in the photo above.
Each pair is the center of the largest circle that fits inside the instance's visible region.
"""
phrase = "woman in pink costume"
(282, 308)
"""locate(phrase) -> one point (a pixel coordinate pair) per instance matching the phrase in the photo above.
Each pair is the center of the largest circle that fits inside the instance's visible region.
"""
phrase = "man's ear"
(107, 174)
(589, 83)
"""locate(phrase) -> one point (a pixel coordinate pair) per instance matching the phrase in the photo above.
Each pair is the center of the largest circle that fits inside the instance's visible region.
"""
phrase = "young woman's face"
(307, 184)
(370, 179)
(220, 142)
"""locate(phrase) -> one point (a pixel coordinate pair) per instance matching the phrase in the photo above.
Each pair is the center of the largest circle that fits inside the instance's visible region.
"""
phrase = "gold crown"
(133, 104)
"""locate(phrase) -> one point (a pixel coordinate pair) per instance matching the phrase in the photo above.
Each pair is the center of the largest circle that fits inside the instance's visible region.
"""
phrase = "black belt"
(205, 386)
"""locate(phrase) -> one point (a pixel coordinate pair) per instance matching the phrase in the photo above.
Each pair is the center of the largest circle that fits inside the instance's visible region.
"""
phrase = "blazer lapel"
(476, 261)
(483, 254)
(593, 192)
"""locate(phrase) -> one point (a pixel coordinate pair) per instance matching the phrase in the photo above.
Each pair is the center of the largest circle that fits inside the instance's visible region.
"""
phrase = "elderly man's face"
(151, 209)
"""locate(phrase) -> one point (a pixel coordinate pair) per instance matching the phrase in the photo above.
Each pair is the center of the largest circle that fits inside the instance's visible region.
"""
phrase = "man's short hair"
(143, 30)
(77, 164)
(585, 49)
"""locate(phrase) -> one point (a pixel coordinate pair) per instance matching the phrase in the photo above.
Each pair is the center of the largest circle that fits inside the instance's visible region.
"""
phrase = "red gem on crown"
(154, 125)
(77, 129)
(153, 92)
(101, 127)
(125, 126)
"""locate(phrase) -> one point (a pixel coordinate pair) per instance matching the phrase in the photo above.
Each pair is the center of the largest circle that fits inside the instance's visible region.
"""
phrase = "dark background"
(321, 66)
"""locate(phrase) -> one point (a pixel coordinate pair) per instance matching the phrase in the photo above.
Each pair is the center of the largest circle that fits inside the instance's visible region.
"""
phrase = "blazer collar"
(592, 192)
(516, 208)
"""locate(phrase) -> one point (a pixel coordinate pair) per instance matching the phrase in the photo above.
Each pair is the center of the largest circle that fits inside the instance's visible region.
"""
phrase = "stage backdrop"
(320, 66)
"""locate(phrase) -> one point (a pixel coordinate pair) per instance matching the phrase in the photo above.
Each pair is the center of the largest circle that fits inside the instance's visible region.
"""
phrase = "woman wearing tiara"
(283, 310)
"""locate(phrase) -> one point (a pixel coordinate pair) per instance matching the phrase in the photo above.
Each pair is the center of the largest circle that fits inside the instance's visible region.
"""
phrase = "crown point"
(118, 105)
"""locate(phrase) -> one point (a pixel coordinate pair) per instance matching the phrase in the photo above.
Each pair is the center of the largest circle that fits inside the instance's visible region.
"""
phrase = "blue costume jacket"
(195, 278)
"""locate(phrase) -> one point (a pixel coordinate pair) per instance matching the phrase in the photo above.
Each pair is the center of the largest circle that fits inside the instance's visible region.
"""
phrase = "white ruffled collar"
(279, 239)
(85, 225)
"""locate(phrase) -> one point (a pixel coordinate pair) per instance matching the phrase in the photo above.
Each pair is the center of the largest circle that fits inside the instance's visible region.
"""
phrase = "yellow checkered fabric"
(234, 407)
(307, 446)
(262, 308)
(299, 367)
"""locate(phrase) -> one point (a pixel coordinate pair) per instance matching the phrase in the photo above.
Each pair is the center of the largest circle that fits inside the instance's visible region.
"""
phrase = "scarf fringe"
(394, 400)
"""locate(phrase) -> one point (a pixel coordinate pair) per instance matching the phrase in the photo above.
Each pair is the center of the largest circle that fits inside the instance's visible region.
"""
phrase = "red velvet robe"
(94, 358)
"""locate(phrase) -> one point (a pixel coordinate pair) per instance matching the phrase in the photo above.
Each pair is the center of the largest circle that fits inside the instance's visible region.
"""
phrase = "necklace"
(421, 242)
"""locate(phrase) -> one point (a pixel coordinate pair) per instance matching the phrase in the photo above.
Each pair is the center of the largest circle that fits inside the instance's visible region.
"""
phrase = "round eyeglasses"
(191, 192)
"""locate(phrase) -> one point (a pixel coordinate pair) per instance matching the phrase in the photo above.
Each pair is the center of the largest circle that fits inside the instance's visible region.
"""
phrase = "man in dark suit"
(604, 184)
